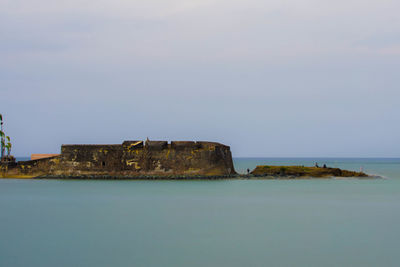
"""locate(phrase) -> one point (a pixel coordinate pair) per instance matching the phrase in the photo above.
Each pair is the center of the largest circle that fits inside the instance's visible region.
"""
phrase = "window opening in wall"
(103, 163)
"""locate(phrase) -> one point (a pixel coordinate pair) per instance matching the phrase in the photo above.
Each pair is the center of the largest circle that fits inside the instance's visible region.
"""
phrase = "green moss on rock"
(301, 171)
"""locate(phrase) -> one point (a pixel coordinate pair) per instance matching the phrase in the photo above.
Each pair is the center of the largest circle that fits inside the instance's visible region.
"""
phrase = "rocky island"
(303, 172)
(152, 160)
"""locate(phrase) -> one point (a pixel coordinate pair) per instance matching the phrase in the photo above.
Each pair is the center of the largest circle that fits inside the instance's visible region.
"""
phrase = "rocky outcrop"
(301, 171)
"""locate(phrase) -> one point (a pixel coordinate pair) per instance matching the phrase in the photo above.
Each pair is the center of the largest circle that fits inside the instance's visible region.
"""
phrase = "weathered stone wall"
(37, 167)
(135, 158)
(90, 158)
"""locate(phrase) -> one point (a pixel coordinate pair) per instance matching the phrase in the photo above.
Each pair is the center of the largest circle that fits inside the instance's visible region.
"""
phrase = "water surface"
(328, 222)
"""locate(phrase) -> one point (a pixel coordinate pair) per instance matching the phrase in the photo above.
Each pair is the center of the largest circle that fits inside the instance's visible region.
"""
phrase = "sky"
(278, 78)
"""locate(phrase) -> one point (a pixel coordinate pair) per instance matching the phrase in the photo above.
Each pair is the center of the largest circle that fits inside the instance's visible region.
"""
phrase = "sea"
(311, 222)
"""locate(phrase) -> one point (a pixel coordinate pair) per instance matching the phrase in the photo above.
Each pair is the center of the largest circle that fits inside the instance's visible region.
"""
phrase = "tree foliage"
(4, 138)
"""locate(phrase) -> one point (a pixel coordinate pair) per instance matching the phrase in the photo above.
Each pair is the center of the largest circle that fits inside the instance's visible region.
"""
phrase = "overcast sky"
(269, 78)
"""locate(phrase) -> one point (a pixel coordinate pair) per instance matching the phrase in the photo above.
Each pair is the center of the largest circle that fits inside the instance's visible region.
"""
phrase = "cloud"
(235, 70)
(191, 30)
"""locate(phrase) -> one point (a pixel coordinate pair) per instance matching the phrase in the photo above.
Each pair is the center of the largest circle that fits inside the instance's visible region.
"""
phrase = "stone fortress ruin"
(132, 159)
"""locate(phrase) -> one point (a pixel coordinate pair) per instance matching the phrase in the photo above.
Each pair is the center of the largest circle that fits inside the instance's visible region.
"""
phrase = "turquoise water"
(329, 222)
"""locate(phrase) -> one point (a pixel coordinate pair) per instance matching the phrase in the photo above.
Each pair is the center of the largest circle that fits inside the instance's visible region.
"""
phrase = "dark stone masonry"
(133, 159)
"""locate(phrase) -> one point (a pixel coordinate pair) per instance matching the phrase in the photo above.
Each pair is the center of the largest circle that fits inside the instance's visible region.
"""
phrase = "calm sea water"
(329, 222)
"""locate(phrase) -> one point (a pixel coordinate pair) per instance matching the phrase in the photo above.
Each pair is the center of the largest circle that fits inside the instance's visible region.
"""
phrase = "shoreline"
(178, 177)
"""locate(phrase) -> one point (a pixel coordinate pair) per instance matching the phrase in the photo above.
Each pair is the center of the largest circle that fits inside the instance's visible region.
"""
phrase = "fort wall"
(135, 159)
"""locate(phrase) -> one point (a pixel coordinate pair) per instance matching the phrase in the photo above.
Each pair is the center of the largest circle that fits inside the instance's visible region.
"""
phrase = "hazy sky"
(268, 78)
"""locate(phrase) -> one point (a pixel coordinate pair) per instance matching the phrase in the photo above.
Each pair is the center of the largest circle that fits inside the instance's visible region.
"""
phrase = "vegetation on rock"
(301, 171)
